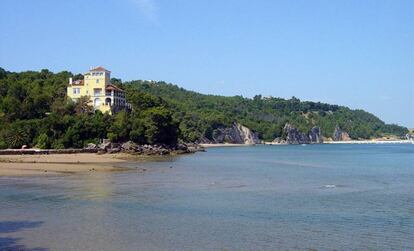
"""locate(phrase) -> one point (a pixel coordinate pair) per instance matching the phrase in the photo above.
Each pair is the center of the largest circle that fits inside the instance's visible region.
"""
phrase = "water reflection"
(96, 186)
(12, 243)
(14, 226)
(259, 198)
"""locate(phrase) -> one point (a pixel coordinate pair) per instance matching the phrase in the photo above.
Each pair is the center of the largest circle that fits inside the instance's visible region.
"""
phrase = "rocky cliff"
(315, 135)
(340, 135)
(235, 134)
(247, 135)
(294, 136)
(239, 134)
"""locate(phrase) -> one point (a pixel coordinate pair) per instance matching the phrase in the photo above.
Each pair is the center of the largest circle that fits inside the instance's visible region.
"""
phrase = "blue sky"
(354, 53)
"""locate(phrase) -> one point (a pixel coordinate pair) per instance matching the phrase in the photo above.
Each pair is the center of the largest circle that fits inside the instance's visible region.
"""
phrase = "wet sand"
(52, 164)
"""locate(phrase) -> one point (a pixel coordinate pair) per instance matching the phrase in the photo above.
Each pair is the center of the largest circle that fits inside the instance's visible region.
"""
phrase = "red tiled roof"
(99, 68)
(77, 82)
(113, 87)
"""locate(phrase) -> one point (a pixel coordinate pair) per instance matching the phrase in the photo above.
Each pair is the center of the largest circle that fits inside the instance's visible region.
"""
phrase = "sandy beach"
(52, 164)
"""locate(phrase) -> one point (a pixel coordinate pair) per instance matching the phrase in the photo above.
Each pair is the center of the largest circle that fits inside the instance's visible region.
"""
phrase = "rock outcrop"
(340, 135)
(108, 147)
(247, 135)
(278, 140)
(91, 146)
(130, 147)
(134, 148)
(315, 135)
(236, 134)
(294, 136)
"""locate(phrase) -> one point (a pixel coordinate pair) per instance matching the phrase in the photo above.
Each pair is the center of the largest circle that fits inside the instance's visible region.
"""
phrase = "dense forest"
(200, 114)
(34, 111)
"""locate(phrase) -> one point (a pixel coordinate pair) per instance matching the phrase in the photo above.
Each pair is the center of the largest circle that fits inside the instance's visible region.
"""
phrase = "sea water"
(313, 197)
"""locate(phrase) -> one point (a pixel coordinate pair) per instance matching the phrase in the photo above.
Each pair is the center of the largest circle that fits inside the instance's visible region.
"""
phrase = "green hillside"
(34, 111)
(199, 114)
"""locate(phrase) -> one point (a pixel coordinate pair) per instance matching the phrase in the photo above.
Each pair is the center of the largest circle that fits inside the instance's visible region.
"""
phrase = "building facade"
(103, 95)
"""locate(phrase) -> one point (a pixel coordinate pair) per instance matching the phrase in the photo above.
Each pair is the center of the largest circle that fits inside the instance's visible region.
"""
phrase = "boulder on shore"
(91, 146)
(131, 147)
(104, 146)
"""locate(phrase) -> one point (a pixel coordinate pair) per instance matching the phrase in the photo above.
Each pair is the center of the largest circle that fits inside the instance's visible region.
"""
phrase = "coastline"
(70, 163)
(224, 145)
(52, 164)
(373, 141)
(31, 162)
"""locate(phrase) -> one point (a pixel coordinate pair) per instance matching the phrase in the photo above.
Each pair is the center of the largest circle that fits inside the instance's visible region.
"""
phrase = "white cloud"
(147, 8)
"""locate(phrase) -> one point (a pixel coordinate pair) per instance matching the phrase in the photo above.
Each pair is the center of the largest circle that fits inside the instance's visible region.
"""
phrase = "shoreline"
(54, 164)
(404, 141)
(224, 145)
(71, 163)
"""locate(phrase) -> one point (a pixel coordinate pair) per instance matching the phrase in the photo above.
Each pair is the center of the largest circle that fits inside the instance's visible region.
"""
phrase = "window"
(97, 81)
(76, 90)
(97, 73)
(97, 103)
(97, 92)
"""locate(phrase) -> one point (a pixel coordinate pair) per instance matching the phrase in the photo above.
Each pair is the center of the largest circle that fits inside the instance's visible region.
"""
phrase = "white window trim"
(97, 93)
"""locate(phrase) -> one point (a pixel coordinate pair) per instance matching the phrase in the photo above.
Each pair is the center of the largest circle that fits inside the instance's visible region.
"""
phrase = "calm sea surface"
(315, 197)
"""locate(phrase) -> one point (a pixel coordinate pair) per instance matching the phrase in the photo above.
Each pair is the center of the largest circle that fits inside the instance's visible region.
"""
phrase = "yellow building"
(103, 95)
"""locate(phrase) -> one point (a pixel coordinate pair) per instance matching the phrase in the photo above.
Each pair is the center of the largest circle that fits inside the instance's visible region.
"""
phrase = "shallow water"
(315, 197)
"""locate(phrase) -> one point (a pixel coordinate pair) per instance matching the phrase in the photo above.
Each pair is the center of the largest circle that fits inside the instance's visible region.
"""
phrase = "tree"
(141, 101)
(160, 127)
(83, 105)
(18, 134)
(137, 133)
(43, 141)
(120, 127)
(34, 110)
